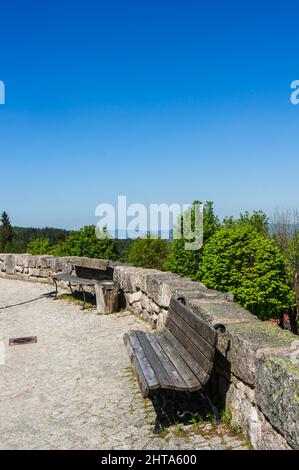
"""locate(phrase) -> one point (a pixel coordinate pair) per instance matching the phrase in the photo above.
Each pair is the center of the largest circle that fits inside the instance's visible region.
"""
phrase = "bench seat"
(74, 280)
(180, 357)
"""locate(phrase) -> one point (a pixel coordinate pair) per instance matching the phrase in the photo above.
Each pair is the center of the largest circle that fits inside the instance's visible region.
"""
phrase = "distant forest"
(22, 236)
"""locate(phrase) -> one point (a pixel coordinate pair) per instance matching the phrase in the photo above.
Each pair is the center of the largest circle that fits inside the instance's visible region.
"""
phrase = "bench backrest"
(91, 263)
(89, 268)
(196, 336)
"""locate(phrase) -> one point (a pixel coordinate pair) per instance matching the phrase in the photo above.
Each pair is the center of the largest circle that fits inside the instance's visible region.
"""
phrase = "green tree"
(85, 242)
(40, 246)
(186, 262)
(241, 260)
(6, 233)
(257, 220)
(148, 252)
(285, 232)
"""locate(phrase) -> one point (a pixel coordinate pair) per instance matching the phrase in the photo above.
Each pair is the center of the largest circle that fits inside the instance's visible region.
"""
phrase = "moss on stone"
(285, 362)
(263, 334)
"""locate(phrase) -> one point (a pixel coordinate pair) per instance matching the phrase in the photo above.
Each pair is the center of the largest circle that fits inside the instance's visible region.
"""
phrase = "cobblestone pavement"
(74, 389)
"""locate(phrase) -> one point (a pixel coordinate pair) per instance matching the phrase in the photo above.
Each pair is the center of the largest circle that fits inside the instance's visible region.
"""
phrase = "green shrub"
(148, 252)
(241, 260)
(40, 246)
(84, 242)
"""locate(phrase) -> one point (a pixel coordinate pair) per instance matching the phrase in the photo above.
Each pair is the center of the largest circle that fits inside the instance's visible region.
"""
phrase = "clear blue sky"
(164, 101)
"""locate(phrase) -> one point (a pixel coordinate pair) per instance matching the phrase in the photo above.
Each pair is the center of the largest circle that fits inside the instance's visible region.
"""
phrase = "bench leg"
(214, 409)
(160, 405)
(56, 288)
(71, 289)
(83, 293)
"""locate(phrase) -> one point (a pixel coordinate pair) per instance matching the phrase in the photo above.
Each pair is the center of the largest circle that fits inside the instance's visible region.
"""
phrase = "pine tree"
(6, 233)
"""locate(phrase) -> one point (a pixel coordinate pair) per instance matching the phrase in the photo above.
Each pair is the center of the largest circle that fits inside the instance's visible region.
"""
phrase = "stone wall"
(257, 364)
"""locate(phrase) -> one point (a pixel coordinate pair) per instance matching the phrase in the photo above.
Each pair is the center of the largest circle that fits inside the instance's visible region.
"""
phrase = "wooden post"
(107, 296)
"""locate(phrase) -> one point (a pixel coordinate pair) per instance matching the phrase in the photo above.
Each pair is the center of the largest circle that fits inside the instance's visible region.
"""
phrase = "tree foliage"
(257, 220)
(241, 260)
(148, 252)
(6, 233)
(84, 242)
(40, 246)
(285, 232)
(186, 262)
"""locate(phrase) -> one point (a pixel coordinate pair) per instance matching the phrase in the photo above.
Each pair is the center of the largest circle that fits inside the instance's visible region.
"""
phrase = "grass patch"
(226, 417)
(179, 431)
(76, 300)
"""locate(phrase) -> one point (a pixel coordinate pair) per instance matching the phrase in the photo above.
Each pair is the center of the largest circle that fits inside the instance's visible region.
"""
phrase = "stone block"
(135, 297)
(10, 264)
(32, 260)
(240, 345)
(247, 417)
(136, 307)
(277, 392)
(160, 287)
(216, 310)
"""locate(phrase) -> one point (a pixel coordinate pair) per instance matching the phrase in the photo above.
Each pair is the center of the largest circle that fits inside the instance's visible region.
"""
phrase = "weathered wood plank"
(193, 364)
(106, 296)
(190, 346)
(144, 387)
(207, 350)
(183, 368)
(197, 323)
(164, 378)
(92, 263)
(178, 381)
(74, 280)
(145, 366)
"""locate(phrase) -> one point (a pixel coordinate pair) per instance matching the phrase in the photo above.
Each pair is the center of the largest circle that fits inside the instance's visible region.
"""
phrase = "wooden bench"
(88, 267)
(180, 357)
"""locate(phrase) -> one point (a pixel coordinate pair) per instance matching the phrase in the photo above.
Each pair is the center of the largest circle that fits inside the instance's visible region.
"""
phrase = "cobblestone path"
(74, 388)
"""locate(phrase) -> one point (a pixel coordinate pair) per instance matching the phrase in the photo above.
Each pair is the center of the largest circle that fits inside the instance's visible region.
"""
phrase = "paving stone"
(74, 388)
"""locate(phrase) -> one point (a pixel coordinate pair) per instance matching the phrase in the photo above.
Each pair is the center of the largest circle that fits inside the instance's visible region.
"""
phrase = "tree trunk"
(107, 296)
(281, 320)
(293, 321)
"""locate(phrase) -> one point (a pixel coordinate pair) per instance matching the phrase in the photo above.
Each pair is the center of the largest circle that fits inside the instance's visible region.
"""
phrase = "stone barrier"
(256, 372)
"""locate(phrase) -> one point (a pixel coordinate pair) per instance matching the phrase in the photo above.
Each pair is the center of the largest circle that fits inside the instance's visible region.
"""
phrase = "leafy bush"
(84, 242)
(241, 260)
(40, 246)
(148, 252)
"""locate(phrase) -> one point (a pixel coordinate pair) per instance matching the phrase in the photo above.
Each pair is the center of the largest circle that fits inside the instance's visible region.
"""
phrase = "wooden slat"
(136, 351)
(197, 323)
(144, 387)
(92, 263)
(164, 378)
(177, 379)
(189, 377)
(74, 280)
(190, 346)
(196, 368)
(207, 350)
